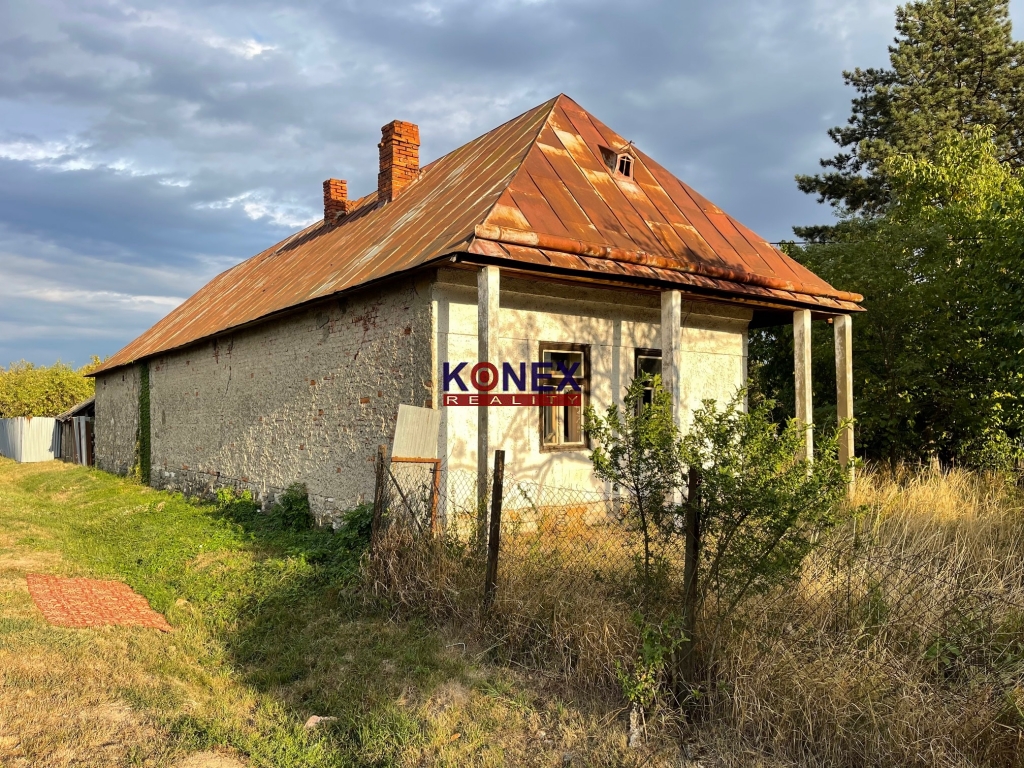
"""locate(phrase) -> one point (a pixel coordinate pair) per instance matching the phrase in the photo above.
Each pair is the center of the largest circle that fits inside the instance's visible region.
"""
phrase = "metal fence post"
(379, 494)
(494, 535)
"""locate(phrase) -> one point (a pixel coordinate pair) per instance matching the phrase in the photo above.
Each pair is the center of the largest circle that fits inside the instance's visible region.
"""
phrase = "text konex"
(539, 383)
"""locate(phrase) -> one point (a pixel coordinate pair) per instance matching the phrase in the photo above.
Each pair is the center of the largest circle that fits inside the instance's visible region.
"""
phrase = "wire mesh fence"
(903, 620)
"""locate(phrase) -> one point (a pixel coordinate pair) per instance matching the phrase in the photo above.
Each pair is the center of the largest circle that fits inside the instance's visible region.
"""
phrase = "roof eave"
(285, 311)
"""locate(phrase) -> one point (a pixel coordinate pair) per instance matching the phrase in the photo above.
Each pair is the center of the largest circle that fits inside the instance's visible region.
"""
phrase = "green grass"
(270, 628)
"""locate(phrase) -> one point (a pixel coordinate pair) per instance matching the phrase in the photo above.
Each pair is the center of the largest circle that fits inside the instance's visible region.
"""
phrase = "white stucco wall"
(614, 324)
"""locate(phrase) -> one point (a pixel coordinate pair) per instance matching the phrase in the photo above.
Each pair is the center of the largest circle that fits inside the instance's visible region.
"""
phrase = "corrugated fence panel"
(10, 438)
(28, 440)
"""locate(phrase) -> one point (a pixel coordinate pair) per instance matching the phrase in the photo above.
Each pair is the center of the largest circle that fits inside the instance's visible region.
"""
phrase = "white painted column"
(488, 283)
(671, 351)
(802, 375)
(843, 326)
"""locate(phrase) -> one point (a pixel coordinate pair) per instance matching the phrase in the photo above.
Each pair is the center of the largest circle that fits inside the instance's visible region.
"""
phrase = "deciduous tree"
(939, 354)
(30, 390)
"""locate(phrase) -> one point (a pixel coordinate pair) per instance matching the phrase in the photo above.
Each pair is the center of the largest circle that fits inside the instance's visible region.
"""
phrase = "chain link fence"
(894, 634)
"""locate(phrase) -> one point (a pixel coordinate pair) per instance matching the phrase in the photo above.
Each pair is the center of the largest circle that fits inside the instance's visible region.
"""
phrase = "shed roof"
(535, 193)
(77, 410)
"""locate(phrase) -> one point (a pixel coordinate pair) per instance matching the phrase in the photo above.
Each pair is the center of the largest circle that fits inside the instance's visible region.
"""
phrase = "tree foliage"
(938, 354)
(953, 66)
(31, 390)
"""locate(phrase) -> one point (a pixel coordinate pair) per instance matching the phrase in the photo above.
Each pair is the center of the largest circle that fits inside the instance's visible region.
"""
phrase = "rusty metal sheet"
(542, 172)
(599, 213)
(755, 263)
(534, 207)
(583, 131)
(430, 218)
(568, 210)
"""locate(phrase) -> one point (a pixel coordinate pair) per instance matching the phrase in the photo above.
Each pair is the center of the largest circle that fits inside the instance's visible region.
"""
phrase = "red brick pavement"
(91, 603)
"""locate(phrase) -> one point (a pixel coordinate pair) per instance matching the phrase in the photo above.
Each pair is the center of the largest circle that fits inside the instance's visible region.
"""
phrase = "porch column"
(671, 351)
(488, 283)
(802, 374)
(843, 326)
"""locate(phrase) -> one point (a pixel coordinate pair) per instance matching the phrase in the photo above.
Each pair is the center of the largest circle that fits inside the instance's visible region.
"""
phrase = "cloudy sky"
(146, 146)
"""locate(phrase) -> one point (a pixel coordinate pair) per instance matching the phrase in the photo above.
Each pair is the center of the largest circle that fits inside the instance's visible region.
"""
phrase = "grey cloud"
(150, 145)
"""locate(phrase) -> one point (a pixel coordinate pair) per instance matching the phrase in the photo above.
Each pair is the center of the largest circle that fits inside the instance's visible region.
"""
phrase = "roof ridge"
(551, 104)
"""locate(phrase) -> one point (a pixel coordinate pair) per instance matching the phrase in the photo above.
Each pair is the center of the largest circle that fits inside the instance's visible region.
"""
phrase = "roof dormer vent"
(620, 161)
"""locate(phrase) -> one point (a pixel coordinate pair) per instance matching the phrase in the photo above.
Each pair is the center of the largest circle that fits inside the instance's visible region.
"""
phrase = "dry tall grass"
(902, 643)
(540, 617)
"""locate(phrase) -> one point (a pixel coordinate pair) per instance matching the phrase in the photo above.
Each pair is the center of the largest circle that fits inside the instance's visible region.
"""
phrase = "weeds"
(897, 642)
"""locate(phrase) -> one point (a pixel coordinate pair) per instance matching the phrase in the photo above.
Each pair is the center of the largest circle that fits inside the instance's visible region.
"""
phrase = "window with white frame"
(624, 165)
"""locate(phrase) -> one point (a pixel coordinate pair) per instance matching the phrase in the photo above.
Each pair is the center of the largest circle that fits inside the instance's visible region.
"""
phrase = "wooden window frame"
(562, 346)
(639, 352)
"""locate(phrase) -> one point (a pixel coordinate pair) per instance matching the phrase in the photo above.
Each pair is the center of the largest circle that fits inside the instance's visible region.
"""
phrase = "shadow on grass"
(303, 634)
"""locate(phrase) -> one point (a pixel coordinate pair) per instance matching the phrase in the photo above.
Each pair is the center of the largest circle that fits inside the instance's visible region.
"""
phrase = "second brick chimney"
(336, 202)
(399, 159)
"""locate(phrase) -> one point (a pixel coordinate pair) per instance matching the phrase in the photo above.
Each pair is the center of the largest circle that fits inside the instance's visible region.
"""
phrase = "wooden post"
(494, 537)
(379, 494)
(843, 326)
(488, 285)
(802, 375)
(435, 495)
(687, 666)
(671, 351)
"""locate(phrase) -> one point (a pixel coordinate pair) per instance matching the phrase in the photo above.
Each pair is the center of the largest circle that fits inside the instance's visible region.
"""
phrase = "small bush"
(238, 503)
(286, 528)
(762, 510)
(354, 531)
(292, 509)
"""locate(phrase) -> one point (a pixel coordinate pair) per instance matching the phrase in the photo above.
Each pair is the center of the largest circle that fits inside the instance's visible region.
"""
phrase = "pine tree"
(954, 65)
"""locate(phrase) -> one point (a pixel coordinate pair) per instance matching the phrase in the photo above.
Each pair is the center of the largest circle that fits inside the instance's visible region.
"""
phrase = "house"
(549, 240)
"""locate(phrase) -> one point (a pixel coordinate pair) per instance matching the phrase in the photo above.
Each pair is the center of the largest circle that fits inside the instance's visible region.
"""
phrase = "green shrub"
(761, 508)
(637, 450)
(292, 509)
(353, 533)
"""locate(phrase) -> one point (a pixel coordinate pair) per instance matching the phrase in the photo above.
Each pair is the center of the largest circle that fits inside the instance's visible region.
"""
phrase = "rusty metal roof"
(536, 192)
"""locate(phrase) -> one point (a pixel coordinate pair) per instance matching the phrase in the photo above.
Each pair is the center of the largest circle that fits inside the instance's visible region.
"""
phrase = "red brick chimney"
(399, 159)
(336, 202)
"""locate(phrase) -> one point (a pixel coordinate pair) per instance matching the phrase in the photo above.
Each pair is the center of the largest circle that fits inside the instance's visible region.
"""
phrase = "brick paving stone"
(91, 603)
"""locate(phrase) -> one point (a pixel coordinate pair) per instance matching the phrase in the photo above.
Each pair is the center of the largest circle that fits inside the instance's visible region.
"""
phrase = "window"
(561, 426)
(648, 361)
(625, 166)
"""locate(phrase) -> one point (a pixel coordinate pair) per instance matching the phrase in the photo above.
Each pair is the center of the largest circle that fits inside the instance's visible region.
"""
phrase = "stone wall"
(304, 398)
(117, 419)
